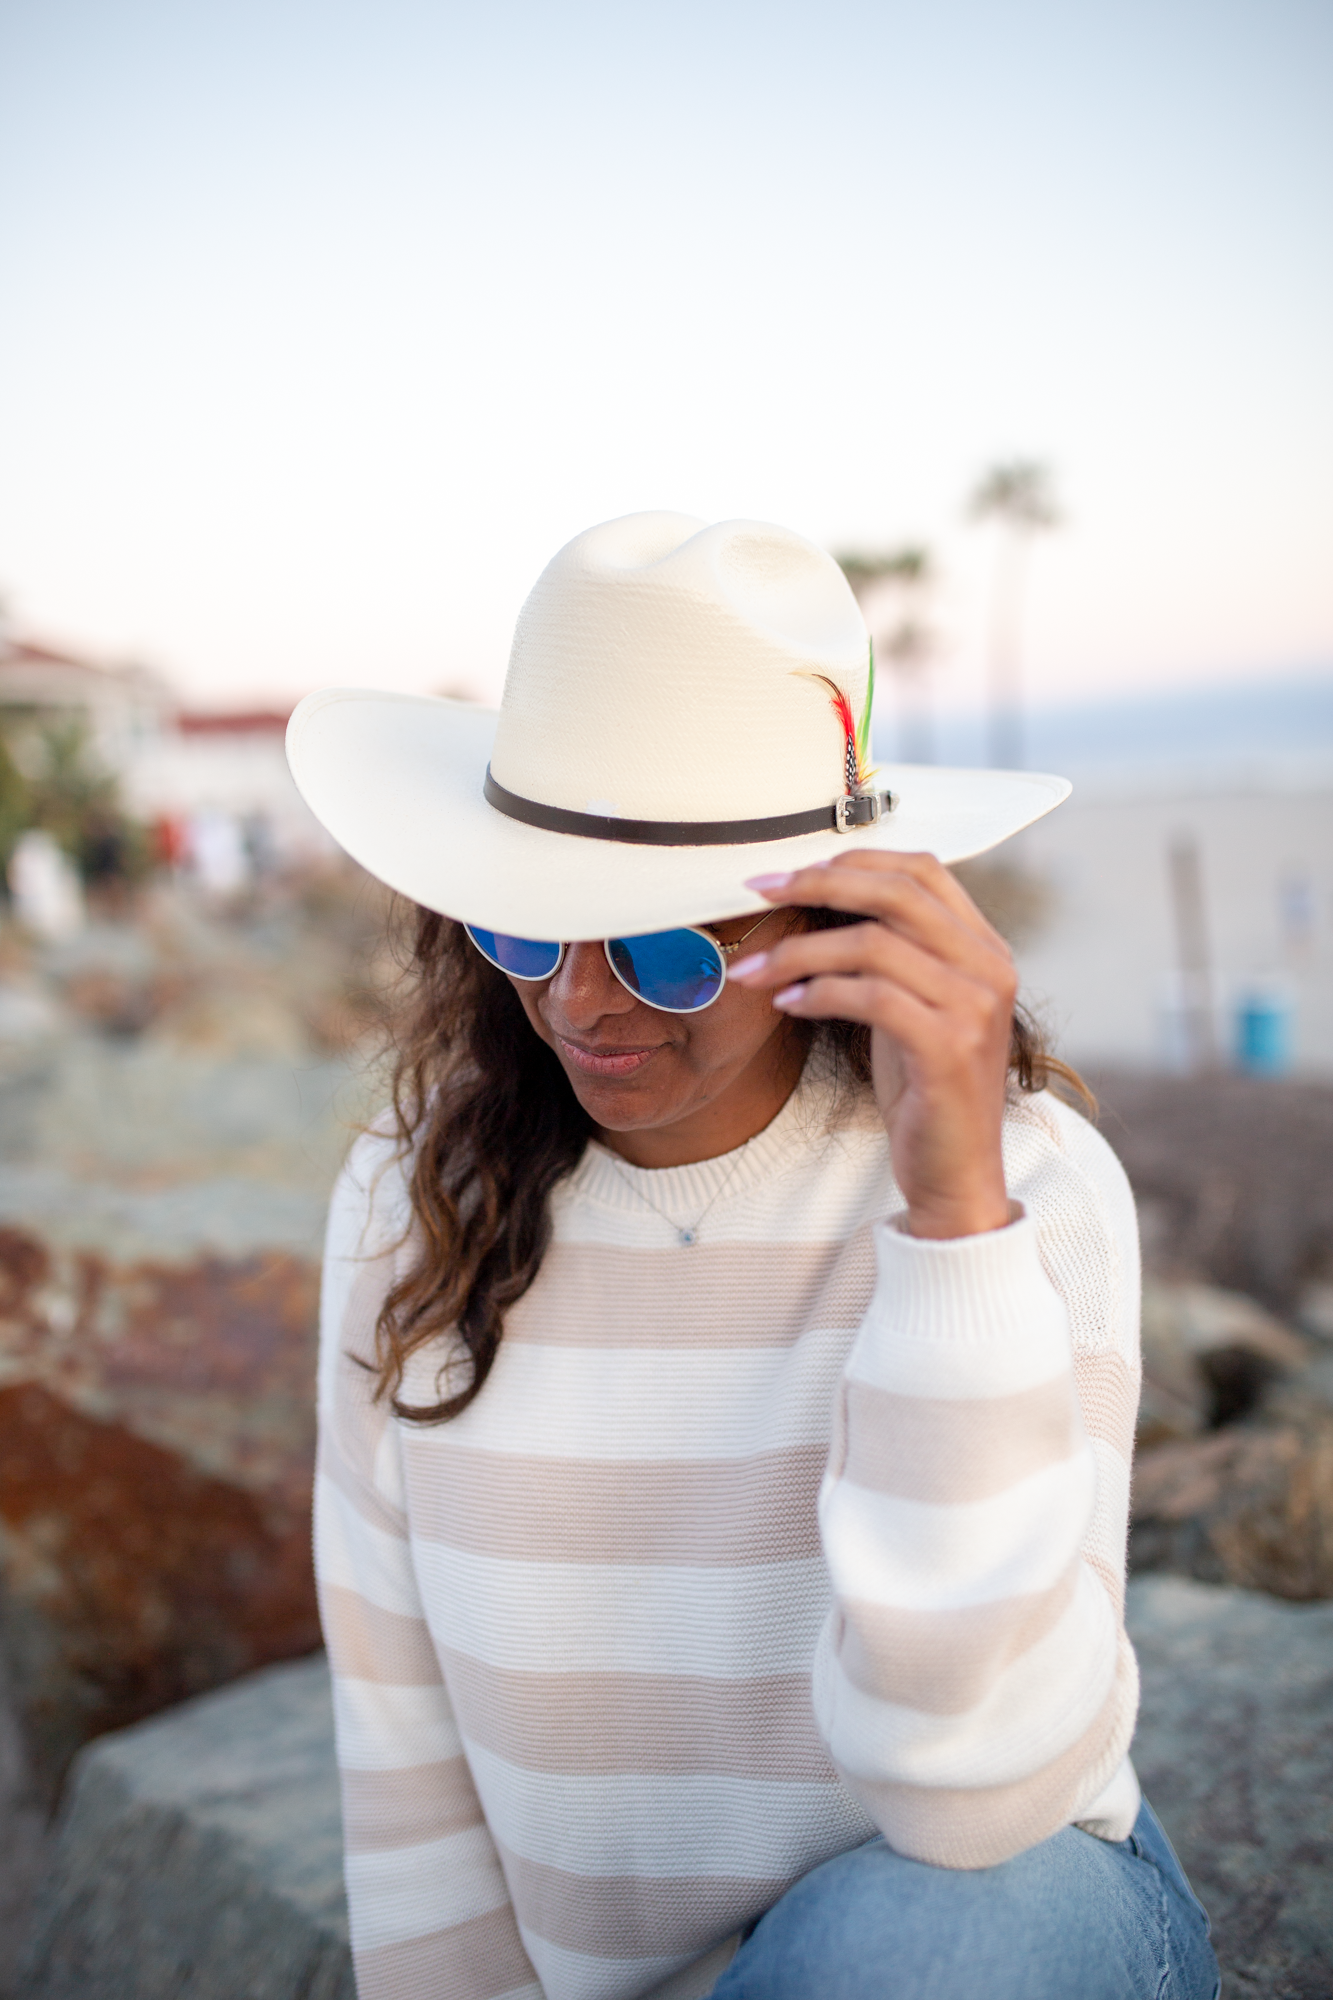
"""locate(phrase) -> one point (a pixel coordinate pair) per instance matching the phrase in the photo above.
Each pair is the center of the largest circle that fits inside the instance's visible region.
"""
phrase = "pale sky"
(324, 326)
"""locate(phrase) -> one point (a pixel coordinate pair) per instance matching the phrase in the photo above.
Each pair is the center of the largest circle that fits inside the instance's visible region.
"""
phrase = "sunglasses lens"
(678, 970)
(526, 958)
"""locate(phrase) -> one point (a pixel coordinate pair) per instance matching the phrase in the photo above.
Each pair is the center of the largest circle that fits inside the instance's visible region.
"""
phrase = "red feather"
(843, 710)
(841, 704)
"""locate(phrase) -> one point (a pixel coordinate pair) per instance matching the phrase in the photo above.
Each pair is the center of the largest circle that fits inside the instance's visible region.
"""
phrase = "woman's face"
(634, 1068)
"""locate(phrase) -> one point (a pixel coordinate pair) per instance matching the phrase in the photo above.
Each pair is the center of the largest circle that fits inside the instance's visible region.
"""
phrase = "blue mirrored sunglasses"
(678, 972)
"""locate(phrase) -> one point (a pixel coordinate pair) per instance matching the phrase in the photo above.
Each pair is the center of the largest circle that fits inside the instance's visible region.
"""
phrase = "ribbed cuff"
(986, 1287)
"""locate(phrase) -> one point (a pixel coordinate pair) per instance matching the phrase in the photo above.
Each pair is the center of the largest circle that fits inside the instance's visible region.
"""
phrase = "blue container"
(1263, 1034)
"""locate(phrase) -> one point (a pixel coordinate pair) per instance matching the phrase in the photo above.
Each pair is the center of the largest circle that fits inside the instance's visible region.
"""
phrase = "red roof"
(235, 722)
(43, 656)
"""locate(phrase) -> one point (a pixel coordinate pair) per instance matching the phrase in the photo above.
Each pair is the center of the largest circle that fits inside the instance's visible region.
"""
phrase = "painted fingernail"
(767, 885)
(745, 968)
(789, 995)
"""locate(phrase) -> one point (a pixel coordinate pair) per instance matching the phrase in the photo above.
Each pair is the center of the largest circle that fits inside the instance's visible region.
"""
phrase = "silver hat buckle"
(856, 809)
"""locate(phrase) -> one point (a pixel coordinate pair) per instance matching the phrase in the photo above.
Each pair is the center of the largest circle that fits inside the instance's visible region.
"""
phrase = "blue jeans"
(1074, 1919)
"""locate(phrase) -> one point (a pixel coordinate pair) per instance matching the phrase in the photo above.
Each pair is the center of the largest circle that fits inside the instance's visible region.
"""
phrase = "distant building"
(122, 708)
(173, 763)
(1113, 965)
(227, 762)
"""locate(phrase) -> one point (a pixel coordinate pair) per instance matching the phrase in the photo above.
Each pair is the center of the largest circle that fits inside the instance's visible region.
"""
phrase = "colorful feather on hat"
(858, 770)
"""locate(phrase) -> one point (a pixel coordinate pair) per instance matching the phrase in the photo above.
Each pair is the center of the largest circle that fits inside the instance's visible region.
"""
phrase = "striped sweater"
(747, 1550)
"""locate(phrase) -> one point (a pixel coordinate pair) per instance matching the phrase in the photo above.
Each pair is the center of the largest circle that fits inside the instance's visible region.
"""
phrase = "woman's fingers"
(908, 934)
(945, 1051)
(962, 1028)
(923, 868)
(872, 950)
(911, 893)
(878, 1003)
(926, 972)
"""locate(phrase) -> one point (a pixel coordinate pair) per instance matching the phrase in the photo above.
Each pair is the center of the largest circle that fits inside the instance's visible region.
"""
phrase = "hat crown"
(662, 670)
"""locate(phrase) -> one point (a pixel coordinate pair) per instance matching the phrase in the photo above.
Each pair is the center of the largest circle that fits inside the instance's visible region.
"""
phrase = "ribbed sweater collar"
(682, 1192)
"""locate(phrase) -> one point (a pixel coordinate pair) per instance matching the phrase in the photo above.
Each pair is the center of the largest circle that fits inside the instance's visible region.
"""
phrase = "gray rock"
(200, 1853)
(1208, 1355)
(1235, 1751)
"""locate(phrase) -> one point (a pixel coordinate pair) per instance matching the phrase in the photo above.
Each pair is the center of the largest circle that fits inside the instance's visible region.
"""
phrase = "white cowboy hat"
(686, 706)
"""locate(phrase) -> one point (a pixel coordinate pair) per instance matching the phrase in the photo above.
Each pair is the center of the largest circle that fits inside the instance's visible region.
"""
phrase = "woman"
(729, 1352)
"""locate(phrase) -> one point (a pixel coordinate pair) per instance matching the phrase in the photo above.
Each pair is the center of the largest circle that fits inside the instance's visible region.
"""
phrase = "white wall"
(1102, 968)
(241, 773)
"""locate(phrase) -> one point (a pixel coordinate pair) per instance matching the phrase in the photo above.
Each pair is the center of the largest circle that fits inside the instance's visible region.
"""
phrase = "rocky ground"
(200, 1852)
(1234, 1179)
(177, 1086)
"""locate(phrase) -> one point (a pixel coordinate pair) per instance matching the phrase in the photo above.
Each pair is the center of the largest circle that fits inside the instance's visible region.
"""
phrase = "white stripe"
(400, 1893)
(626, 1402)
(926, 1556)
(954, 1371)
(972, 1317)
(1032, 1712)
(558, 1618)
(352, 1553)
(1113, 1812)
(385, 1728)
(367, 1213)
(335, 1290)
(631, 1823)
(389, 1480)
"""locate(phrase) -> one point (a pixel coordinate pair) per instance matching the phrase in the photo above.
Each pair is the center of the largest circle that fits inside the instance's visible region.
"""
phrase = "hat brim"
(397, 780)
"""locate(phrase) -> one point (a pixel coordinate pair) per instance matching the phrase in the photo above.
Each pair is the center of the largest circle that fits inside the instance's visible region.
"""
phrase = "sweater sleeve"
(430, 1913)
(974, 1683)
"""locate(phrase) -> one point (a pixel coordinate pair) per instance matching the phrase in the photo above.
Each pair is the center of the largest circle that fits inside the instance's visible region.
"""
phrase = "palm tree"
(908, 645)
(1019, 496)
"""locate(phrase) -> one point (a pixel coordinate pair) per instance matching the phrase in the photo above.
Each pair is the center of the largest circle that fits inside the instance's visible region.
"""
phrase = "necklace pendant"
(686, 1235)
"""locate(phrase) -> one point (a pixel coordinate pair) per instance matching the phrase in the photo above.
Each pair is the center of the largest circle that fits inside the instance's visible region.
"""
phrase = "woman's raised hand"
(937, 985)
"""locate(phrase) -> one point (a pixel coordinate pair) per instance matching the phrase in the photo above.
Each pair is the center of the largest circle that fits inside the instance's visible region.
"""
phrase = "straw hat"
(685, 706)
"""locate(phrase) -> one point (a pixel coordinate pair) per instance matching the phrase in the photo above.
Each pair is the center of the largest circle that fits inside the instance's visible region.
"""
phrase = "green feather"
(863, 727)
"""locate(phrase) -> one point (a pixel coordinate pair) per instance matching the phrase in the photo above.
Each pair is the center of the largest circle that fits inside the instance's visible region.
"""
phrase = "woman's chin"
(632, 1103)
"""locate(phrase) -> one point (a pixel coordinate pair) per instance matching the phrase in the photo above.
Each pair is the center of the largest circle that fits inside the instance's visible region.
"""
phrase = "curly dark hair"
(486, 1118)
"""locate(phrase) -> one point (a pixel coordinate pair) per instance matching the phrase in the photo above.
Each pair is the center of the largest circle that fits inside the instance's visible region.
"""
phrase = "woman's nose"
(585, 988)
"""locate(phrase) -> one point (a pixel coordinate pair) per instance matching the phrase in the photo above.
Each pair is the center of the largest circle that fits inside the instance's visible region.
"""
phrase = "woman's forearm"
(969, 1677)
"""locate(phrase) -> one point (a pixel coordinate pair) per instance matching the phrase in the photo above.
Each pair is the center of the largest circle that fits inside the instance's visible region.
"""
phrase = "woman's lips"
(606, 1062)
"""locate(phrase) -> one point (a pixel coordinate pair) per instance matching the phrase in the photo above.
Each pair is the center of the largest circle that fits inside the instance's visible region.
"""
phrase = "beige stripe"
(470, 1961)
(944, 1662)
(744, 1510)
(957, 1828)
(367, 1643)
(591, 1724)
(404, 1807)
(734, 1294)
(933, 1449)
(635, 1916)
(333, 1464)
(1109, 1398)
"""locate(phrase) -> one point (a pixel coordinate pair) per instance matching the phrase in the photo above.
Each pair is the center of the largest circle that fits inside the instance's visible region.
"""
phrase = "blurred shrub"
(50, 778)
(15, 811)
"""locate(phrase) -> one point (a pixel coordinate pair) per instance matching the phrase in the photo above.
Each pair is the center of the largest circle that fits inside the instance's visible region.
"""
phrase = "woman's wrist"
(959, 1215)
